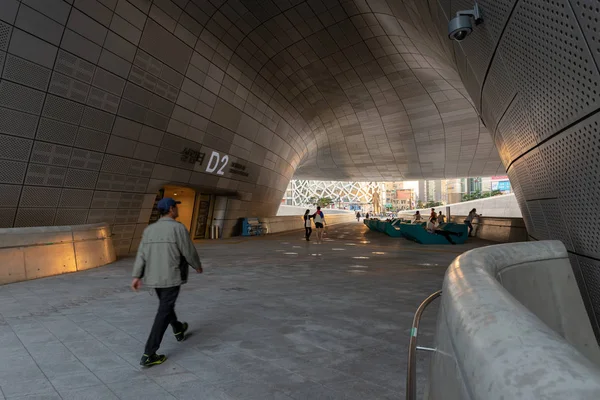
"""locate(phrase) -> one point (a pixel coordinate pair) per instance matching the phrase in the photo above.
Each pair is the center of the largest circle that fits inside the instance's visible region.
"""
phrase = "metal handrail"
(411, 377)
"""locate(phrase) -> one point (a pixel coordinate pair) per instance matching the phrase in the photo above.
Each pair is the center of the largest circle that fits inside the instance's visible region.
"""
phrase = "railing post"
(411, 376)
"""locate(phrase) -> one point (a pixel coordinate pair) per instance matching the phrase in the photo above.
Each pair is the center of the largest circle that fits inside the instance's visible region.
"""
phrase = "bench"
(252, 227)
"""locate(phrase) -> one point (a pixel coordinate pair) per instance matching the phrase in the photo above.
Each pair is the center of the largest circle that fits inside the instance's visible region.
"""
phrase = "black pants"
(164, 316)
(447, 234)
(470, 225)
(308, 232)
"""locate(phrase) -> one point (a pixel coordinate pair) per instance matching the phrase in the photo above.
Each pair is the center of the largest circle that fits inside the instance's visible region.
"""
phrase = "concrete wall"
(498, 206)
(298, 210)
(512, 325)
(30, 253)
(289, 223)
(501, 230)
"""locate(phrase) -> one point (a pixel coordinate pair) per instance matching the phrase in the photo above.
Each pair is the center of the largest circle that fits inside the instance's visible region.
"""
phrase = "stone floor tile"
(16, 388)
(263, 324)
(139, 388)
(99, 392)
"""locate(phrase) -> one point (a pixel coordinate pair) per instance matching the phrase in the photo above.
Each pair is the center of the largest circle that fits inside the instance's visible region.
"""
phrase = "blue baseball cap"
(166, 204)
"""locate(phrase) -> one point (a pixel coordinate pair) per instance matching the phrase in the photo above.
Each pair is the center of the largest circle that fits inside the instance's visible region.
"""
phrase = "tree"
(432, 204)
(324, 202)
(420, 204)
(478, 195)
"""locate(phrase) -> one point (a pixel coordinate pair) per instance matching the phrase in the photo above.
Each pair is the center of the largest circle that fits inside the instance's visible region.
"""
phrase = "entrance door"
(187, 198)
(203, 215)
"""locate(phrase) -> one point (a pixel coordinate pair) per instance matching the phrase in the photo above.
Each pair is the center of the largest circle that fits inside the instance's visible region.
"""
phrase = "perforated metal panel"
(76, 198)
(45, 175)
(84, 159)
(5, 30)
(104, 100)
(9, 195)
(35, 217)
(51, 154)
(97, 119)
(106, 199)
(70, 88)
(590, 270)
(37, 196)
(70, 217)
(62, 109)
(7, 217)
(559, 78)
(96, 216)
(91, 139)
(26, 73)
(54, 131)
(573, 163)
(21, 98)
(74, 67)
(558, 227)
(12, 148)
(536, 168)
(17, 123)
(130, 200)
(77, 178)
(12, 171)
(588, 15)
(127, 216)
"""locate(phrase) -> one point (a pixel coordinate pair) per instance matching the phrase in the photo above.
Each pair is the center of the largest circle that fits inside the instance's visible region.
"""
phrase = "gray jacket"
(165, 251)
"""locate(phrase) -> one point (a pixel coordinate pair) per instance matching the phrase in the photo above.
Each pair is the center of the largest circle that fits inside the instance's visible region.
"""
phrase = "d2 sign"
(217, 161)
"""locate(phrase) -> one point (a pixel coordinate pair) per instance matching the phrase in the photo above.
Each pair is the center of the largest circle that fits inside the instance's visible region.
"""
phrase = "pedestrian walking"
(319, 219)
(162, 263)
(358, 216)
(307, 225)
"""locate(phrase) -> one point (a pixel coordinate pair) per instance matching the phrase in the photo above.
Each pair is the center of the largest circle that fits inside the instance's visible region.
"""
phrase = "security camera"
(460, 26)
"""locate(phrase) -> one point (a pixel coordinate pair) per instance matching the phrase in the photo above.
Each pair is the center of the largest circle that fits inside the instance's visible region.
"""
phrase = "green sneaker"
(154, 359)
(180, 336)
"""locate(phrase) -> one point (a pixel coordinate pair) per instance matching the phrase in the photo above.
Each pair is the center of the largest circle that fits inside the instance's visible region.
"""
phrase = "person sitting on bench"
(432, 228)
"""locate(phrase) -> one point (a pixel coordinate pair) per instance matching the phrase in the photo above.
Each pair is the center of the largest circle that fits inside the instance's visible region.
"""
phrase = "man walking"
(319, 219)
(162, 262)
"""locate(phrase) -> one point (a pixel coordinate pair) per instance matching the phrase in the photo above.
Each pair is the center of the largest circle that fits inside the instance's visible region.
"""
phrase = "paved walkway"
(271, 318)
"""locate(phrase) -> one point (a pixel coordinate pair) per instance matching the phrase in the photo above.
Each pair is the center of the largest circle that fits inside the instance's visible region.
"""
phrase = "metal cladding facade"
(102, 102)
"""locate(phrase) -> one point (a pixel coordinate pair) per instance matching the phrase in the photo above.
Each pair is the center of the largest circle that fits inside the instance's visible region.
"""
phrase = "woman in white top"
(417, 218)
(468, 221)
(307, 224)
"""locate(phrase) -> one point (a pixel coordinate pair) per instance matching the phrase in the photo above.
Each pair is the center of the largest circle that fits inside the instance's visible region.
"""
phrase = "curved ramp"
(512, 325)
